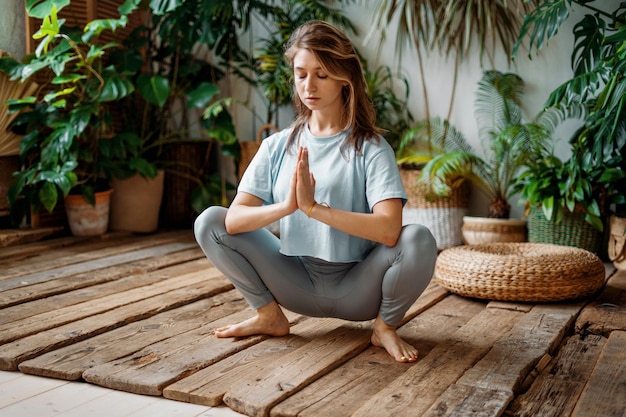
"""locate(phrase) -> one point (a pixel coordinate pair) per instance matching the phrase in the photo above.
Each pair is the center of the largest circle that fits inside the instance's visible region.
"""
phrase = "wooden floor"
(136, 313)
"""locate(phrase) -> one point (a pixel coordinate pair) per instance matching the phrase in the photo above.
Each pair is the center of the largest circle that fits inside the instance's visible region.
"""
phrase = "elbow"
(231, 226)
(390, 241)
(391, 237)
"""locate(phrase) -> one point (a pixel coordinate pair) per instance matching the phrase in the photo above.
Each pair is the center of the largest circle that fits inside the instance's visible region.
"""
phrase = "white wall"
(12, 29)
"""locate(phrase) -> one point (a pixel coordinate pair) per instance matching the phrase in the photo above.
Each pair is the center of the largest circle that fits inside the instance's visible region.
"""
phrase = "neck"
(323, 127)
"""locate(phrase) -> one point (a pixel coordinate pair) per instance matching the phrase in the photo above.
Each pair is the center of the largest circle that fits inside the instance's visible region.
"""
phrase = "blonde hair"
(338, 59)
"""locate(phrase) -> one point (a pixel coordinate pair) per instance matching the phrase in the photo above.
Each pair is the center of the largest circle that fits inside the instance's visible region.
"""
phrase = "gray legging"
(386, 282)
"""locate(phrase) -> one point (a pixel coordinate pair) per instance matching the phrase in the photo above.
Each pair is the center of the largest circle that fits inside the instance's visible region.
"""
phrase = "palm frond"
(487, 23)
(498, 102)
(551, 117)
(442, 171)
(429, 138)
(543, 23)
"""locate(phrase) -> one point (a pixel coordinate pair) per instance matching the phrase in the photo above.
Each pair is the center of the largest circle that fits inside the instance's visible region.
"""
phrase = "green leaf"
(160, 7)
(95, 27)
(50, 27)
(68, 78)
(202, 95)
(128, 7)
(155, 89)
(545, 21)
(39, 9)
(115, 87)
(48, 196)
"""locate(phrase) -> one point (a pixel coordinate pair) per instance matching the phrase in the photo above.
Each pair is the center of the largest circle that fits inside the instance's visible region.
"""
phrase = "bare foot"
(269, 320)
(385, 336)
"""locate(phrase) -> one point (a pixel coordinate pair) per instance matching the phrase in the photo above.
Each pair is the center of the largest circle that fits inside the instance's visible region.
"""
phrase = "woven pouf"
(527, 272)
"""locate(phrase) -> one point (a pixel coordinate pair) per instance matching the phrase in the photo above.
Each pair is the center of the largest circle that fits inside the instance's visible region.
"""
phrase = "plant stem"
(595, 9)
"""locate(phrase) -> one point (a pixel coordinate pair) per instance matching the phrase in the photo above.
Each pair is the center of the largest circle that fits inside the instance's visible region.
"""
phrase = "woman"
(333, 183)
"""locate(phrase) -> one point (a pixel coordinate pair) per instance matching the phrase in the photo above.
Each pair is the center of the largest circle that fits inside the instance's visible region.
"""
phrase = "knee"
(208, 222)
(420, 239)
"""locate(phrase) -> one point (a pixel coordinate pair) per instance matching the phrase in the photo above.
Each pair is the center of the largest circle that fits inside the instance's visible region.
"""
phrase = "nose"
(309, 84)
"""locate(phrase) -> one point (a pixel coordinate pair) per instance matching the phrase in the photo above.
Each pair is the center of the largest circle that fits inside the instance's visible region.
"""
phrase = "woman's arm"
(247, 212)
(383, 225)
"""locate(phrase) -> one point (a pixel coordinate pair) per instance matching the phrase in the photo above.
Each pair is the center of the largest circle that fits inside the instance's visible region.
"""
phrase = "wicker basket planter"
(477, 230)
(526, 272)
(443, 216)
(573, 230)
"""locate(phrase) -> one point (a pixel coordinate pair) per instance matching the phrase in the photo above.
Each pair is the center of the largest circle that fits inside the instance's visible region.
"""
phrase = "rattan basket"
(573, 230)
(442, 216)
(523, 271)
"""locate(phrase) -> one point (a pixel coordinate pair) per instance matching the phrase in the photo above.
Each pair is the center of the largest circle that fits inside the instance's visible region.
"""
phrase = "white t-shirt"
(343, 180)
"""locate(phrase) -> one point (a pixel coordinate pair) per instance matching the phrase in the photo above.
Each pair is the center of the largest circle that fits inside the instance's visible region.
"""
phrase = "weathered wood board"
(608, 311)
(605, 391)
(138, 312)
(557, 388)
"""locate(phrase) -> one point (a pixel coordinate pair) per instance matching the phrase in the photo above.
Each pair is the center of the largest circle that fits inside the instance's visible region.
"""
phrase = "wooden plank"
(156, 366)
(294, 370)
(13, 353)
(71, 361)
(57, 286)
(204, 388)
(464, 400)
(419, 387)
(605, 392)
(48, 320)
(512, 357)
(22, 312)
(608, 311)
(76, 267)
(557, 388)
(345, 389)
(492, 382)
(24, 251)
(14, 237)
(88, 250)
(208, 385)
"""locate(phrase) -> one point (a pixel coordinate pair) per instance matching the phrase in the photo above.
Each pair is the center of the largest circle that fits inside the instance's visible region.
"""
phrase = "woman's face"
(317, 90)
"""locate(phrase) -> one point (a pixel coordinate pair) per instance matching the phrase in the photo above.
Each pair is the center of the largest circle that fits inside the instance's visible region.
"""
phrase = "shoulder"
(278, 138)
(375, 146)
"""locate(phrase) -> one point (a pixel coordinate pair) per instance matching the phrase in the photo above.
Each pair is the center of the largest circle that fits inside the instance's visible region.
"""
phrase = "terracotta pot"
(136, 203)
(85, 219)
(477, 230)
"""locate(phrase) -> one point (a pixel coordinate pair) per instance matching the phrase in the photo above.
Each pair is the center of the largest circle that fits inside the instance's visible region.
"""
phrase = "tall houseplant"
(453, 28)
(508, 144)
(67, 121)
(177, 60)
(596, 171)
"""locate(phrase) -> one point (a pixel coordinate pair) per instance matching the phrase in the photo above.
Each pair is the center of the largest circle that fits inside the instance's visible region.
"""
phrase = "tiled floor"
(30, 396)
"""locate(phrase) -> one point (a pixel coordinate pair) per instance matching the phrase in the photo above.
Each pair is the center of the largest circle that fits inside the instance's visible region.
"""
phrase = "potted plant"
(67, 122)
(508, 144)
(591, 183)
(176, 118)
(428, 26)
